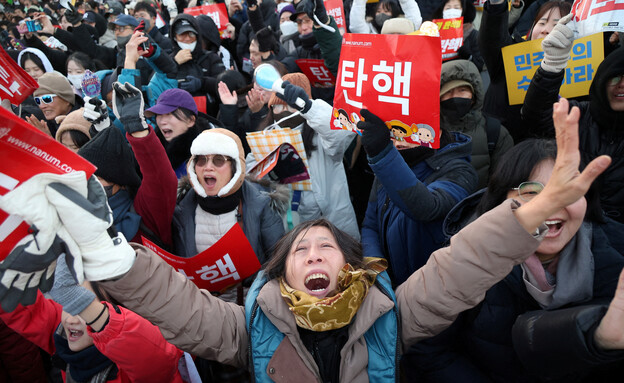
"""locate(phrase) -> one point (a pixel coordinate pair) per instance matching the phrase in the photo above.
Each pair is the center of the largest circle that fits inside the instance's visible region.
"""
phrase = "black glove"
(191, 84)
(251, 3)
(128, 107)
(73, 16)
(295, 96)
(96, 112)
(316, 7)
(375, 133)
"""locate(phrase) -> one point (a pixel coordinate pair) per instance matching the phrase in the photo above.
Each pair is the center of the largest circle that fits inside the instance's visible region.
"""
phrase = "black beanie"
(112, 155)
(266, 40)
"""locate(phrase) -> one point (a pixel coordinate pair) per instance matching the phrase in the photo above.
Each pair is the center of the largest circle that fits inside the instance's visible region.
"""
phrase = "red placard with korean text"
(25, 152)
(451, 36)
(222, 265)
(15, 84)
(335, 8)
(316, 71)
(217, 12)
(397, 77)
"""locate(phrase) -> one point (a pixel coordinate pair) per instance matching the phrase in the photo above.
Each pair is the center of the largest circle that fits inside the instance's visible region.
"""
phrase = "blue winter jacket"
(403, 221)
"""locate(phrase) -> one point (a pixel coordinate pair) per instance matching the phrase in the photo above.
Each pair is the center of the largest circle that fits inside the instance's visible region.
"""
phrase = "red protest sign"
(25, 152)
(217, 12)
(335, 8)
(451, 36)
(397, 77)
(222, 265)
(316, 71)
(15, 84)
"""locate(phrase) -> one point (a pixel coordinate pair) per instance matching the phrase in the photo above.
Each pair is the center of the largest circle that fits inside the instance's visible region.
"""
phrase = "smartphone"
(33, 25)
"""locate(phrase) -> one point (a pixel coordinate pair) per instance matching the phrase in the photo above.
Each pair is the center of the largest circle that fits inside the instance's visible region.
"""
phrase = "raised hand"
(128, 106)
(227, 98)
(610, 332)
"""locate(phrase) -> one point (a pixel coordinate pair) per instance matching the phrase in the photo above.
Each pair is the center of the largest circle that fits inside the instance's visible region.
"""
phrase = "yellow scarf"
(332, 312)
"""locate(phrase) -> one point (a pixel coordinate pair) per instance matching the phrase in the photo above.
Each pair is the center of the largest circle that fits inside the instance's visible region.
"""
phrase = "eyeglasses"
(615, 80)
(303, 20)
(218, 160)
(528, 190)
(119, 28)
(45, 99)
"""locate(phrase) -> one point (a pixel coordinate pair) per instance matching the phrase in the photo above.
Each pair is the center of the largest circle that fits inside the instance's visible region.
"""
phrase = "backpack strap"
(492, 130)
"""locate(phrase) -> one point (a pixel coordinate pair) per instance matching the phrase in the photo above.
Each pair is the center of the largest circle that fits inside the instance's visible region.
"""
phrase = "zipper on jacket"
(254, 310)
(397, 354)
(386, 221)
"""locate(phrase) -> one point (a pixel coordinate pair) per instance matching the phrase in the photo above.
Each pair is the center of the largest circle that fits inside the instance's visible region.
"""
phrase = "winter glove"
(128, 107)
(73, 16)
(251, 3)
(316, 8)
(88, 220)
(67, 292)
(295, 96)
(96, 112)
(30, 265)
(191, 84)
(557, 46)
(375, 133)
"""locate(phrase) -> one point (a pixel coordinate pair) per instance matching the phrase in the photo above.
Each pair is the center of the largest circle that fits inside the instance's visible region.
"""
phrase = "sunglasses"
(615, 80)
(45, 99)
(528, 190)
(218, 160)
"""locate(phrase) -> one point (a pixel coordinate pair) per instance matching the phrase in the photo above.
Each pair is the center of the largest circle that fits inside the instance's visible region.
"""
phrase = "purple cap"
(172, 99)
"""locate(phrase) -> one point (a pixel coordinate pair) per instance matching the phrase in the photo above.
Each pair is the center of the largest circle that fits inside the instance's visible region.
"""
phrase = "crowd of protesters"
(496, 257)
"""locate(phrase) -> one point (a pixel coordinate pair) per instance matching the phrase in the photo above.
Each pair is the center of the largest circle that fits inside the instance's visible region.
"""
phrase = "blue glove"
(191, 84)
(67, 292)
(295, 96)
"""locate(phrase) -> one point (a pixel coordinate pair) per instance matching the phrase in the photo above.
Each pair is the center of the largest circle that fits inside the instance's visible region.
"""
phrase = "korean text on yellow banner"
(521, 61)
(451, 36)
(222, 265)
(396, 77)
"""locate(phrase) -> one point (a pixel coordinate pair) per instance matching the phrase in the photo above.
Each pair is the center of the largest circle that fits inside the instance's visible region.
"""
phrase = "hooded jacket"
(205, 64)
(600, 127)
(474, 123)
(403, 221)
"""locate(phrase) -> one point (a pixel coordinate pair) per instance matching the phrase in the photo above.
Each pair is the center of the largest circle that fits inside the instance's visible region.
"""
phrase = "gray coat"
(261, 224)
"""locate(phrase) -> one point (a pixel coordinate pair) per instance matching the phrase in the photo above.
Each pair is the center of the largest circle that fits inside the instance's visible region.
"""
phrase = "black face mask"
(455, 108)
(307, 41)
(292, 122)
(380, 19)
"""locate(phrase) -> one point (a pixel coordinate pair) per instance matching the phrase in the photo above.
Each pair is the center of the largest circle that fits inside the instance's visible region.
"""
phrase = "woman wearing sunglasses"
(540, 322)
(55, 97)
(219, 197)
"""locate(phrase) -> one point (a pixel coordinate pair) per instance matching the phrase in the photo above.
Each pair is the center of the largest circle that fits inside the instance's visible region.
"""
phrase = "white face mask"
(190, 46)
(451, 13)
(288, 28)
(75, 80)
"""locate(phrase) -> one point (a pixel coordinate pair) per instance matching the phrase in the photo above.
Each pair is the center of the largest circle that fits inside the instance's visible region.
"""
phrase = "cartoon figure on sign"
(426, 135)
(343, 121)
(399, 130)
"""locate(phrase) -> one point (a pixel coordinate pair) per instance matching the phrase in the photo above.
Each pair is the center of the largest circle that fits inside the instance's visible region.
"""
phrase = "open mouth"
(210, 181)
(74, 335)
(166, 132)
(317, 282)
(554, 227)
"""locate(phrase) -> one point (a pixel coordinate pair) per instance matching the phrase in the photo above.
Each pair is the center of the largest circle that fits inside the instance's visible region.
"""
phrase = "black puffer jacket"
(601, 129)
(205, 65)
(474, 123)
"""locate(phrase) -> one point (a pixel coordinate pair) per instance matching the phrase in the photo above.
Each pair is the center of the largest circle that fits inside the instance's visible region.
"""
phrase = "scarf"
(124, 218)
(567, 279)
(220, 205)
(84, 364)
(336, 311)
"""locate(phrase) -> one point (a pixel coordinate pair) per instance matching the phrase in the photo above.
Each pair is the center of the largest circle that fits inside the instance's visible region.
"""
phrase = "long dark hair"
(563, 6)
(34, 58)
(516, 167)
(351, 249)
